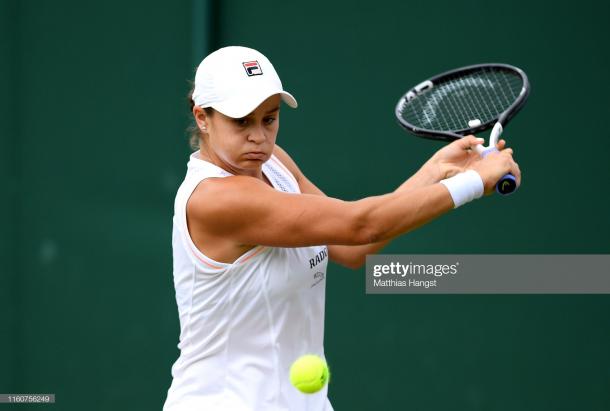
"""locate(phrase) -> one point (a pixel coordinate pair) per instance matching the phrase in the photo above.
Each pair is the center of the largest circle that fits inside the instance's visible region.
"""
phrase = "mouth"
(255, 155)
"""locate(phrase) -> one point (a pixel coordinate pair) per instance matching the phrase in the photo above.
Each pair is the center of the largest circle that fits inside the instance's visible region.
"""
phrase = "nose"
(257, 134)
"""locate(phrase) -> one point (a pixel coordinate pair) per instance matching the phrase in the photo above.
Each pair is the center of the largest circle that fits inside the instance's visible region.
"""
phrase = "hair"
(195, 134)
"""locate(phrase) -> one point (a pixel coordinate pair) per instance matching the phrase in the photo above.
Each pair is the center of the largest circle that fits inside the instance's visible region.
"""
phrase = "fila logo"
(252, 68)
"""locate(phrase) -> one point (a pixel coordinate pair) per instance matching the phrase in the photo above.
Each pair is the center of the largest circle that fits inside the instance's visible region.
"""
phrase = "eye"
(242, 122)
(269, 120)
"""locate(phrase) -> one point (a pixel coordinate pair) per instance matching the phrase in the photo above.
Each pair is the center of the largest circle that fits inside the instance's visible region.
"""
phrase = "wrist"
(432, 171)
(464, 187)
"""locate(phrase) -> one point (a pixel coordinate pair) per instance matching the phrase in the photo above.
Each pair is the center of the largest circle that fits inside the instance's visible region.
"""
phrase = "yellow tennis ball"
(309, 373)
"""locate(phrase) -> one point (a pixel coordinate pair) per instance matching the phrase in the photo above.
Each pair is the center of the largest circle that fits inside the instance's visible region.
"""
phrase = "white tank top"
(243, 324)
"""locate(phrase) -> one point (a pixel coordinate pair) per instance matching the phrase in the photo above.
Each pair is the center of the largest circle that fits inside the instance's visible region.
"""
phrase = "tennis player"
(252, 237)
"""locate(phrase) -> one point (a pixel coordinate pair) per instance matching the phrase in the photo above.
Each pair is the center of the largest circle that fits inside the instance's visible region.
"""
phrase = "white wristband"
(464, 187)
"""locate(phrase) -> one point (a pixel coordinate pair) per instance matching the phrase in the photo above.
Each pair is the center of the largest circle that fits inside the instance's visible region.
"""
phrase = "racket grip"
(507, 184)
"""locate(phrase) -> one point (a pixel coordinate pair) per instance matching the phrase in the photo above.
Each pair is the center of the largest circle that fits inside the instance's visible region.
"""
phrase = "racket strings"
(503, 87)
(475, 104)
(482, 95)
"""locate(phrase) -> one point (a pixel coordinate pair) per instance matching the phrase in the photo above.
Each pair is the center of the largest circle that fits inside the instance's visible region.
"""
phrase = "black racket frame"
(503, 118)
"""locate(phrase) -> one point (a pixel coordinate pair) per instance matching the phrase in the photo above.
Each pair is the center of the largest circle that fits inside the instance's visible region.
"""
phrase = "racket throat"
(494, 137)
(496, 132)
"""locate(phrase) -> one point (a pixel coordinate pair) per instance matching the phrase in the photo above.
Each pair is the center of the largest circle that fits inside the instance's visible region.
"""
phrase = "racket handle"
(507, 184)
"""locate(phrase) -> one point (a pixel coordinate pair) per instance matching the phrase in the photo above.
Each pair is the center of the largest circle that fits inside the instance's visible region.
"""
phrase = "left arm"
(351, 256)
(354, 256)
(448, 161)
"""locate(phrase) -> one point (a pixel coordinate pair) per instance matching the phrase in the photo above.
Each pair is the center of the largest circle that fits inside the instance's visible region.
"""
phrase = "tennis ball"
(309, 373)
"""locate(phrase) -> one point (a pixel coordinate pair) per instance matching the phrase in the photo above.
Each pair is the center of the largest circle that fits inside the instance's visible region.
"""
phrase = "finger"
(513, 168)
(516, 171)
(469, 142)
(501, 144)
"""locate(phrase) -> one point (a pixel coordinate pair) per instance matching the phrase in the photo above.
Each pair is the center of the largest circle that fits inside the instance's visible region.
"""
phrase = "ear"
(200, 118)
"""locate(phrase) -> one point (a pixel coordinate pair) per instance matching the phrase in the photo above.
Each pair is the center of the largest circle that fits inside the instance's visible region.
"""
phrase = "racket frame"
(503, 118)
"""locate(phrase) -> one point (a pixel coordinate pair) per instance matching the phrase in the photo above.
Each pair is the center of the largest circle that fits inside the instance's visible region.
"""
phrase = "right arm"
(247, 211)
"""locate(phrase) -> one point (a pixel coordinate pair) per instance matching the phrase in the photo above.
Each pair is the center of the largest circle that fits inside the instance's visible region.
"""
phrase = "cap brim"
(241, 107)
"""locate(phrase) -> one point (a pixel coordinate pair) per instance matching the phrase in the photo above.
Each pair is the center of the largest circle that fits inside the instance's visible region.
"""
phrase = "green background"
(93, 148)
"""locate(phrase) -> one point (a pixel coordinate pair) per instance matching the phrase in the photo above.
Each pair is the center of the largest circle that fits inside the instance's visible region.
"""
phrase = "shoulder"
(287, 161)
(214, 195)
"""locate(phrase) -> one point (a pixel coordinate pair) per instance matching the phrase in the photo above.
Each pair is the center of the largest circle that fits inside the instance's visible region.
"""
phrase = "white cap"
(235, 80)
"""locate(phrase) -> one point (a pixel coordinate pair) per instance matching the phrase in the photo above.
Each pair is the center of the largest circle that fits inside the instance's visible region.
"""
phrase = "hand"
(455, 158)
(495, 166)
(450, 160)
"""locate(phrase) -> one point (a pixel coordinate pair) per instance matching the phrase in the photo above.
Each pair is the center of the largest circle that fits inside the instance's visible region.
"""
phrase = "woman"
(252, 237)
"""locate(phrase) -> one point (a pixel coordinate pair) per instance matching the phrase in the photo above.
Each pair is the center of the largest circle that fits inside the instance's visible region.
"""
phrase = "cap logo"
(252, 68)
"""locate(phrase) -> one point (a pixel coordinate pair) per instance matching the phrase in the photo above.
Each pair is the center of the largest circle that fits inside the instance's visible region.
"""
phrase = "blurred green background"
(93, 148)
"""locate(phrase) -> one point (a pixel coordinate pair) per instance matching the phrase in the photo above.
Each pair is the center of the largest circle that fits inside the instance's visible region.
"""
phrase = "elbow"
(353, 263)
(357, 264)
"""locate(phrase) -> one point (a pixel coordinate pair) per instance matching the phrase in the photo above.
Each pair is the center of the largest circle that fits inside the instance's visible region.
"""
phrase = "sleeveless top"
(243, 324)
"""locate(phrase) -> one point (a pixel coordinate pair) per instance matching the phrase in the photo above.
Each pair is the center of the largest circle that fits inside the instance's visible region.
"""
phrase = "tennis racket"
(466, 101)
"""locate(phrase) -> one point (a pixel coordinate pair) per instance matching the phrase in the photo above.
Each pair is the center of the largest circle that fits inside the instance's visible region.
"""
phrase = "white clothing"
(243, 324)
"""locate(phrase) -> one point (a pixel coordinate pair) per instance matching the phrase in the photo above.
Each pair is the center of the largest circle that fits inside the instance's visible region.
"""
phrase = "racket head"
(464, 101)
